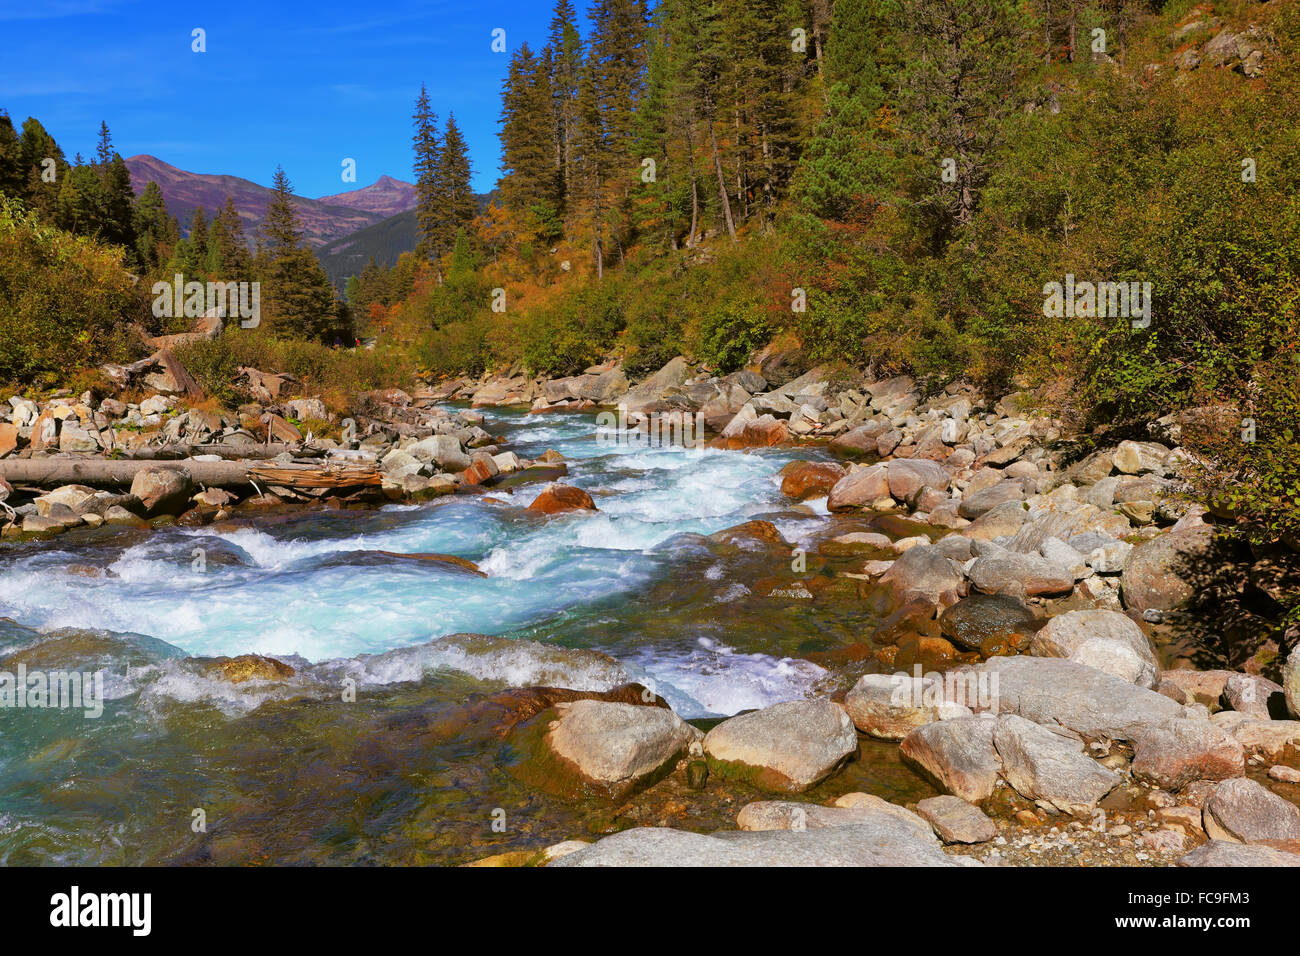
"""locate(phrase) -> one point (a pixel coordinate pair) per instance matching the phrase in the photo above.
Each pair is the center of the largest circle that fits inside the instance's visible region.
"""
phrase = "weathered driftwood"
(330, 475)
(101, 473)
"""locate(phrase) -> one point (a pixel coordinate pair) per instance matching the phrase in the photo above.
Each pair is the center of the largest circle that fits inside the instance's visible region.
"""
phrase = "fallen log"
(103, 473)
(228, 452)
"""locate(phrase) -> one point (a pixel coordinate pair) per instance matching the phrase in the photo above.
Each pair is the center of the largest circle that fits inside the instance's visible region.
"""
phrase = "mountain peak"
(185, 191)
(386, 196)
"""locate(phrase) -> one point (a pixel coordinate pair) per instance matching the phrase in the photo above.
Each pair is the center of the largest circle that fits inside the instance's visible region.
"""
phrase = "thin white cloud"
(55, 9)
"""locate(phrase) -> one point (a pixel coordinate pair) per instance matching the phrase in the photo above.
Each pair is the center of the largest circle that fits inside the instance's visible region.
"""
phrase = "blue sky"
(303, 85)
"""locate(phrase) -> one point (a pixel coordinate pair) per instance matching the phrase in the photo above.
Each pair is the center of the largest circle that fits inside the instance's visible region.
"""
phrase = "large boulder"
(1221, 853)
(1269, 740)
(618, 746)
(885, 841)
(1173, 754)
(1140, 457)
(1048, 768)
(957, 754)
(956, 821)
(860, 488)
(810, 479)
(1291, 682)
(907, 476)
(605, 387)
(163, 490)
(1243, 811)
(1107, 640)
(980, 620)
(445, 450)
(924, 573)
(853, 809)
(891, 706)
(1160, 574)
(790, 746)
(1008, 491)
(673, 375)
(556, 498)
(1055, 692)
(1019, 575)
(858, 441)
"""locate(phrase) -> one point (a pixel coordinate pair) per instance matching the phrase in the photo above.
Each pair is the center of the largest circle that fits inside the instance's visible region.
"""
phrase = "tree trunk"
(722, 183)
(104, 473)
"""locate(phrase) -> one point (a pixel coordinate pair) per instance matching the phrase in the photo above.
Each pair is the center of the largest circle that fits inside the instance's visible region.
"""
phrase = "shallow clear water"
(296, 777)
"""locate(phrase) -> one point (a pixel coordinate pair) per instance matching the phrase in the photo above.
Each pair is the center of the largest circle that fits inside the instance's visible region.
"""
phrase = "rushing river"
(284, 772)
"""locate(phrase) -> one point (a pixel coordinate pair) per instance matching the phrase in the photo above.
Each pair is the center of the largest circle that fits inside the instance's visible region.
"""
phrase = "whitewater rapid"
(313, 589)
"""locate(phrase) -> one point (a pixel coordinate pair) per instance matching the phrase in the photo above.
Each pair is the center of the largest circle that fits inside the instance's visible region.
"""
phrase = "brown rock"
(556, 498)
(810, 479)
(1174, 754)
(246, 667)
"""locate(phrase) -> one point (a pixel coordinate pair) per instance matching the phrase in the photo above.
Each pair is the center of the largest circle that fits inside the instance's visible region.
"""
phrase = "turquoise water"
(314, 588)
(411, 770)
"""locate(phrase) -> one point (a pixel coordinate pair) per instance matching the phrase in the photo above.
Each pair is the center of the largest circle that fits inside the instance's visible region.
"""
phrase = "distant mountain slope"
(385, 240)
(186, 191)
(386, 196)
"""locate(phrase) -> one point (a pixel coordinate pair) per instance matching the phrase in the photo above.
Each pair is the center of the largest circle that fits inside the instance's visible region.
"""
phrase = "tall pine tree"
(297, 300)
(428, 153)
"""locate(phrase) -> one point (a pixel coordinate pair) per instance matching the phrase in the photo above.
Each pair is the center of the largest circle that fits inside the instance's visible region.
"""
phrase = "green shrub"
(66, 302)
(730, 332)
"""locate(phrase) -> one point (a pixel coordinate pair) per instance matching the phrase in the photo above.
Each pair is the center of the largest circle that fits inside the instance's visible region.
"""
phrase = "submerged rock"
(979, 618)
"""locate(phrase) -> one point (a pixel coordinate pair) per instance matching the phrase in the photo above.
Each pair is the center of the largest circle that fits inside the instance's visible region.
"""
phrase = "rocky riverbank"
(1037, 653)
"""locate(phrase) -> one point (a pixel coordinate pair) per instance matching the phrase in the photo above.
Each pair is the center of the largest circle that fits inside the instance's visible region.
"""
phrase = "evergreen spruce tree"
(428, 150)
(457, 205)
(228, 250)
(36, 146)
(297, 300)
(531, 183)
(960, 85)
(565, 68)
(12, 179)
(153, 240)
